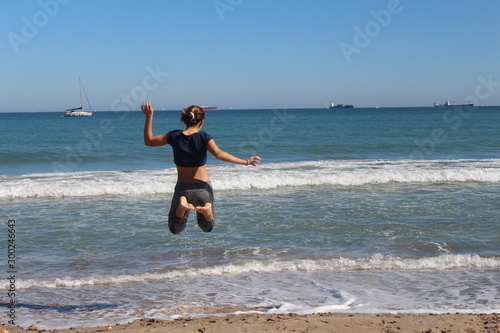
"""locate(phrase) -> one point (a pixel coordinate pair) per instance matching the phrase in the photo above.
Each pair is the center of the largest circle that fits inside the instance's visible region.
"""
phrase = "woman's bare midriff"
(192, 174)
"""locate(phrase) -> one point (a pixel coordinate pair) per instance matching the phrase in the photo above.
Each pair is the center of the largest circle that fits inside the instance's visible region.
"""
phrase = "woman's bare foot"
(206, 211)
(184, 206)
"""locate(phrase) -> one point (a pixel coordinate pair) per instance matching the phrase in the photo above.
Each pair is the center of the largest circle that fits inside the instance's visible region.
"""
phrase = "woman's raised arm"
(149, 139)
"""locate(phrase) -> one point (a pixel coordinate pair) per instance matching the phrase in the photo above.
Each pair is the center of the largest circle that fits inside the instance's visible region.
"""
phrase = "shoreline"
(317, 322)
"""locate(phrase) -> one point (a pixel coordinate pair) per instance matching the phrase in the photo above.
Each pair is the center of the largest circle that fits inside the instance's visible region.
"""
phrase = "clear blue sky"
(247, 53)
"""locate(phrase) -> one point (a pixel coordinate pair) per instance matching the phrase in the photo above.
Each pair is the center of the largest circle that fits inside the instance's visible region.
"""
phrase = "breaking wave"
(266, 176)
(378, 262)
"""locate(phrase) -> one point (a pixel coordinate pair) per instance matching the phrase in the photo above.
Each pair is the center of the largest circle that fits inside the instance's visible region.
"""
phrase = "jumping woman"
(193, 190)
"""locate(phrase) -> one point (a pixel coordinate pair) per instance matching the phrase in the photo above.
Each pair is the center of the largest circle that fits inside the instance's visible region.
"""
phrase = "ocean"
(351, 210)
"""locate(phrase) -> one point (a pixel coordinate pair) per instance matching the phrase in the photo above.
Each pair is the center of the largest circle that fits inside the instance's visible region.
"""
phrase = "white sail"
(74, 112)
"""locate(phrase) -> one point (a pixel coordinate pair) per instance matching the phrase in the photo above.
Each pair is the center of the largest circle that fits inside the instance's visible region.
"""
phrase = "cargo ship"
(450, 104)
(208, 108)
(340, 106)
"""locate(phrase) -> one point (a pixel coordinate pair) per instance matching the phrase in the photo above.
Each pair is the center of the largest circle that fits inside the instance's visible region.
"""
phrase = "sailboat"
(78, 112)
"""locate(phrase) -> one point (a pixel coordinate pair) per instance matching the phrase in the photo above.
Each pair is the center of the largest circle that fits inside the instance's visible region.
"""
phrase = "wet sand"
(329, 322)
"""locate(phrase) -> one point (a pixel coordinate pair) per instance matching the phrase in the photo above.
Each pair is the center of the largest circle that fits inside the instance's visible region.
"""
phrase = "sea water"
(359, 210)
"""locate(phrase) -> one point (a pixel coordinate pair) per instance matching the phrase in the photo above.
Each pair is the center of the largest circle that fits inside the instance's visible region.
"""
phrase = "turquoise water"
(361, 210)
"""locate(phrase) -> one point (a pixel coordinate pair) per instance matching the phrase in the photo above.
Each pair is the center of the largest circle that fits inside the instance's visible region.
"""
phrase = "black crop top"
(189, 150)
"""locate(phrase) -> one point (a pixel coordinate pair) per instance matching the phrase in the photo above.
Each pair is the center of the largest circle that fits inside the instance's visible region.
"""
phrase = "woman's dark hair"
(192, 115)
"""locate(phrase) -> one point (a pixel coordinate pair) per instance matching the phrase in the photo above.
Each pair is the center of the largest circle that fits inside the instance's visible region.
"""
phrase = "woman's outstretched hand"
(147, 109)
(253, 160)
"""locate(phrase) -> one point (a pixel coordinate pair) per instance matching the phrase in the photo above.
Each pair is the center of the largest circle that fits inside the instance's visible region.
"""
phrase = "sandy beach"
(325, 322)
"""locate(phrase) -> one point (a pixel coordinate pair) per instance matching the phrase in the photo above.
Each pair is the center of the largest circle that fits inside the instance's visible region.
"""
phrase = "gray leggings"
(197, 194)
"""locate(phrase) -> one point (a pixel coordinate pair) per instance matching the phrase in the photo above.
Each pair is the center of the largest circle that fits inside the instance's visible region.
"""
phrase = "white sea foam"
(378, 262)
(380, 291)
(267, 176)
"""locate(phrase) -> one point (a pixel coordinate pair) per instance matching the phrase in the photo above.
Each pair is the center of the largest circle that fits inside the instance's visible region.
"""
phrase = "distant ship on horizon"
(340, 106)
(449, 104)
(209, 108)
